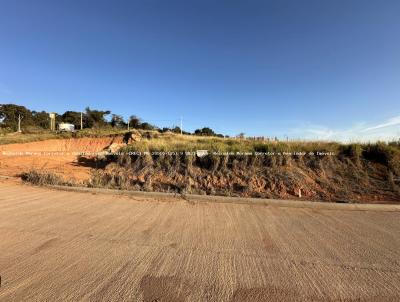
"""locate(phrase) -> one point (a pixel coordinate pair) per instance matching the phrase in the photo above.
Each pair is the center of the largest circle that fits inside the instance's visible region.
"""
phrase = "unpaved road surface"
(69, 246)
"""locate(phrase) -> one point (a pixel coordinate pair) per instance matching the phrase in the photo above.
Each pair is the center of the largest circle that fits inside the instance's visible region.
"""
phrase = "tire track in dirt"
(69, 246)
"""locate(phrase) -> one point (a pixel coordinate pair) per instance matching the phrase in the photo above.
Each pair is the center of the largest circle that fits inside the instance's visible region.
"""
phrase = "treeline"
(30, 119)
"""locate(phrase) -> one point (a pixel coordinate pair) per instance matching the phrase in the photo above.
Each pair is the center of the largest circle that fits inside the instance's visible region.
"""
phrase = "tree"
(134, 122)
(72, 117)
(165, 129)
(206, 131)
(241, 135)
(41, 119)
(146, 126)
(9, 116)
(117, 121)
(176, 129)
(96, 118)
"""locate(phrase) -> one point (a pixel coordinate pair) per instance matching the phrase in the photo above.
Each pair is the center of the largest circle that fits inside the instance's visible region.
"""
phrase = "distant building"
(66, 127)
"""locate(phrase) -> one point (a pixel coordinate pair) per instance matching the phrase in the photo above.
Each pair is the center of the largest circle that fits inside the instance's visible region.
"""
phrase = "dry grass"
(42, 178)
(155, 141)
(379, 152)
(353, 172)
(32, 136)
(15, 138)
(173, 142)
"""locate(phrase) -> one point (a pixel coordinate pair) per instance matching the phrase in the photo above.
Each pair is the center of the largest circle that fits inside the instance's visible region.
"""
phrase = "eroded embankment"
(368, 173)
(328, 178)
(56, 155)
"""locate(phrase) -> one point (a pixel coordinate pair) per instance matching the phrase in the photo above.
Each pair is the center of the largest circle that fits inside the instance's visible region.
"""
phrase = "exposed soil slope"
(328, 178)
(64, 163)
(350, 176)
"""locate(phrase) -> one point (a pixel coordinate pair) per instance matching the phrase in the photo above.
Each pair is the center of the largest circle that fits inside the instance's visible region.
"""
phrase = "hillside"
(167, 162)
(244, 168)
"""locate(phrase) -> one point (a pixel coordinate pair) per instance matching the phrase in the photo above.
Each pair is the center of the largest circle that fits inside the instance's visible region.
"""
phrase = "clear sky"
(309, 69)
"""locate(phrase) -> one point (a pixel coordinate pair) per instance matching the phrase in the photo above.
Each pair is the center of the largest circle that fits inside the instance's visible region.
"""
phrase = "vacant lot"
(366, 173)
(65, 246)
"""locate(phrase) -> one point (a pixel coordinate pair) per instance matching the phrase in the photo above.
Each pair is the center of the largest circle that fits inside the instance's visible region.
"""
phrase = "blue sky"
(305, 69)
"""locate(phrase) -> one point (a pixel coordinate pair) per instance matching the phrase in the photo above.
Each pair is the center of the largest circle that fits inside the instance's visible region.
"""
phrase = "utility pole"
(19, 122)
(52, 121)
(81, 120)
(128, 124)
(181, 125)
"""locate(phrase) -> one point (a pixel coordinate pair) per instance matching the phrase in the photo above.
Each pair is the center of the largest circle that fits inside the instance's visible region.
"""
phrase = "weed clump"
(385, 154)
(42, 178)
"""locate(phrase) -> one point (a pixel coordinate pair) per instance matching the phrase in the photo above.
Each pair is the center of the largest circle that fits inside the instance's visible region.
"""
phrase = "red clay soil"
(324, 179)
(328, 179)
(64, 163)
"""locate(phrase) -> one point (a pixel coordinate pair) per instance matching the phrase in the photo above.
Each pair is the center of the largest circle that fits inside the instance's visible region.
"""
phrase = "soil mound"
(327, 178)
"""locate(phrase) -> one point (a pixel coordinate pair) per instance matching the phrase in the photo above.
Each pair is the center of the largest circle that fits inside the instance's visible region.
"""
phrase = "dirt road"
(69, 246)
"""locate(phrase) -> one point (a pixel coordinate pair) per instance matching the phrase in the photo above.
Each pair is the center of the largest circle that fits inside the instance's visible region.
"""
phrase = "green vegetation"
(32, 120)
(206, 132)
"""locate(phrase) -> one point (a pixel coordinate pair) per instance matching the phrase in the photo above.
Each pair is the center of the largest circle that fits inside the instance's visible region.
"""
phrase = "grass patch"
(177, 143)
(20, 138)
(33, 136)
(42, 178)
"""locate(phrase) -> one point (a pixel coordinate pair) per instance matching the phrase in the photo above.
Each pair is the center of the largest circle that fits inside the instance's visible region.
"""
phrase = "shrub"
(388, 155)
(43, 178)
(262, 148)
(353, 151)
(4, 131)
(379, 152)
